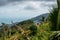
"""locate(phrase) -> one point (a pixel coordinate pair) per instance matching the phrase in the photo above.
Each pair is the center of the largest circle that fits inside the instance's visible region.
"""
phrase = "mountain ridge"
(35, 19)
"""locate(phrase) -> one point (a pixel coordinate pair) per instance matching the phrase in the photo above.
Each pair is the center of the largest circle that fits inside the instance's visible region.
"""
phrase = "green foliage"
(34, 32)
(24, 22)
(53, 18)
(43, 18)
(58, 25)
(33, 29)
(55, 35)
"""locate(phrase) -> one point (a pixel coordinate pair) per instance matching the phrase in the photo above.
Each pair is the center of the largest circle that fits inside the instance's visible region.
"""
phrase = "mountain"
(35, 19)
(39, 18)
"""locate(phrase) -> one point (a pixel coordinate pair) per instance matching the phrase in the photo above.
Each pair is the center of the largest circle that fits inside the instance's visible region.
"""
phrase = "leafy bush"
(33, 29)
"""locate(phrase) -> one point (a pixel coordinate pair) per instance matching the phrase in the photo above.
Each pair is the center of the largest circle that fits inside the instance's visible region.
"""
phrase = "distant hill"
(39, 18)
(35, 19)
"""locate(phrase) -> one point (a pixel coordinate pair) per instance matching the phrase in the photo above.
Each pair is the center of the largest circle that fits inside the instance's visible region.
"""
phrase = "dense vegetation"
(54, 17)
(27, 31)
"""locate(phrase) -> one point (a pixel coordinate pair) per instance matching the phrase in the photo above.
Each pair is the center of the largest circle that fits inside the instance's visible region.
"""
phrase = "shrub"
(33, 29)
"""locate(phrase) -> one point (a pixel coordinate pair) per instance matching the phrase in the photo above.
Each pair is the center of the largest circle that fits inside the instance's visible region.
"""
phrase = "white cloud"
(6, 2)
(17, 9)
(32, 5)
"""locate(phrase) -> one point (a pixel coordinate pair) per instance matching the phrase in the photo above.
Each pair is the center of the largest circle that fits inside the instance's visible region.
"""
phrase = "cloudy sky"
(23, 9)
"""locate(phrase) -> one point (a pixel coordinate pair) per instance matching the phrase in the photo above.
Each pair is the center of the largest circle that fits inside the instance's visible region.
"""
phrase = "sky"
(19, 10)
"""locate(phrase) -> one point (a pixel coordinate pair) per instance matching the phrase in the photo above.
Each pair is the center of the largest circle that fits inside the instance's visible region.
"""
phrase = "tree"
(53, 18)
(43, 18)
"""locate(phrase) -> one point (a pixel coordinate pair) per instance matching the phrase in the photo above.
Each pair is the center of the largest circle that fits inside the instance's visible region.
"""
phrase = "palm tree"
(53, 17)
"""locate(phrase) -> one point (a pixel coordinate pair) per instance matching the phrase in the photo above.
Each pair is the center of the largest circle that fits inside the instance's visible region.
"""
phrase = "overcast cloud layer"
(19, 10)
(4, 2)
